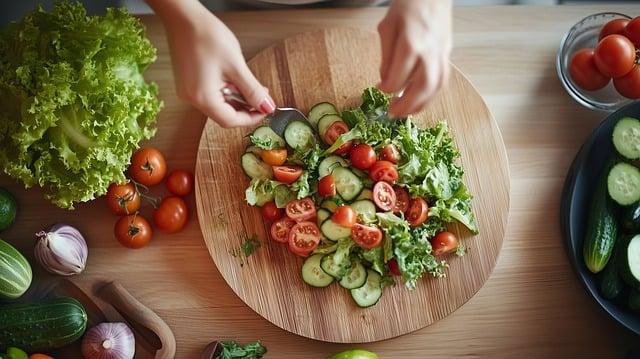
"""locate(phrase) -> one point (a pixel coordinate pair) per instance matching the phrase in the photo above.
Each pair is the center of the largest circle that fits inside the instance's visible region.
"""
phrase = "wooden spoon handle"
(130, 308)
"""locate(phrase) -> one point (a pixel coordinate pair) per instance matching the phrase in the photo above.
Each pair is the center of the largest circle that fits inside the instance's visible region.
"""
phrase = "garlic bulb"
(109, 341)
(62, 250)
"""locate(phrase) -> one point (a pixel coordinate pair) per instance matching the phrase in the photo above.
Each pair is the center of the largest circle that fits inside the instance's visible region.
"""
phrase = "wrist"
(178, 12)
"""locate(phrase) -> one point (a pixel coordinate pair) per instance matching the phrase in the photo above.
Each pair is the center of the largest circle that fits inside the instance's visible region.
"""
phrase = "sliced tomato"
(334, 131)
(270, 212)
(383, 171)
(392, 264)
(344, 216)
(362, 156)
(327, 186)
(304, 238)
(301, 210)
(402, 200)
(280, 229)
(275, 157)
(366, 236)
(418, 212)
(390, 153)
(287, 174)
(444, 242)
(384, 196)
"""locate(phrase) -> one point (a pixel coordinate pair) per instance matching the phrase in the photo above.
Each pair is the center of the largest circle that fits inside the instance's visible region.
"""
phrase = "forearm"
(178, 12)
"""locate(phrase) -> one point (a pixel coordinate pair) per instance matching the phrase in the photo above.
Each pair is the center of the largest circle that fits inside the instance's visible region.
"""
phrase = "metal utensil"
(278, 120)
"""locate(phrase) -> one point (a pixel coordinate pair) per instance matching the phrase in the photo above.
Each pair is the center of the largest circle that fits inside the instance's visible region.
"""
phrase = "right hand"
(206, 56)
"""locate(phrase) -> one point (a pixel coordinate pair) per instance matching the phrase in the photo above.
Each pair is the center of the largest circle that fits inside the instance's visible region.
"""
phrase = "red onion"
(62, 250)
(109, 341)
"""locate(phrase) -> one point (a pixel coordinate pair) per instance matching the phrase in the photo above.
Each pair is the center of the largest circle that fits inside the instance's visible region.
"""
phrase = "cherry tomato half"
(280, 229)
(287, 174)
(301, 210)
(390, 153)
(402, 200)
(180, 182)
(444, 242)
(629, 84)
(344, 216)
(384, 196)
(615, 55)
(270, 212)
(362, 156)
(275, 157)
(133, 231)
(585, 73)
(172, 215)
(632, 31)
(615, 26)
(418, 212)
(304, 238)
(392, 264)
(148, 166)
(327, 186)
(366, 236)
(383, 171)
(123, 199)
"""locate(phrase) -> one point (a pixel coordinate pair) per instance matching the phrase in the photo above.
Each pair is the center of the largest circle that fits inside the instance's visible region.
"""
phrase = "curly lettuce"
(73, 101)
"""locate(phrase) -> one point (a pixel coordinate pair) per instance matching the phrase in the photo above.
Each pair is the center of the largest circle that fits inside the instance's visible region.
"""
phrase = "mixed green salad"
(361, 196)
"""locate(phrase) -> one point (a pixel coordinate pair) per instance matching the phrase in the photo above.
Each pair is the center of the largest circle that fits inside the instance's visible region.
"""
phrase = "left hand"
(415, 36)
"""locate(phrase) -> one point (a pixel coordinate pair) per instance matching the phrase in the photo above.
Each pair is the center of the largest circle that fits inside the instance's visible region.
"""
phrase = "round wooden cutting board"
(335, 65)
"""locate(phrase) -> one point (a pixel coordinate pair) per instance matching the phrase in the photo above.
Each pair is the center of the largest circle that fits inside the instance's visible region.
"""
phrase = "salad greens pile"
(73, 101)
(428, 167)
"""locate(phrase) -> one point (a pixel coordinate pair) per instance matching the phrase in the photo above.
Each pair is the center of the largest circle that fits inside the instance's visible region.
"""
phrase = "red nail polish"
(267, 106)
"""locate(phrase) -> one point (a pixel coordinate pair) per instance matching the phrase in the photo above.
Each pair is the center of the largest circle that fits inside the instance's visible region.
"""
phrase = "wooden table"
(533, 306)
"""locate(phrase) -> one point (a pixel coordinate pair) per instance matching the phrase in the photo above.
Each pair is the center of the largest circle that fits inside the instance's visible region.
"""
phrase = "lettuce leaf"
(458, 208)
(73, 101)
(260, 191)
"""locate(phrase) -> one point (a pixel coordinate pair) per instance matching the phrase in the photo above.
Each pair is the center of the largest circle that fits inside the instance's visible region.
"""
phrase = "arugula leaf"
(458, 208)
(260, 191)
(233, 350)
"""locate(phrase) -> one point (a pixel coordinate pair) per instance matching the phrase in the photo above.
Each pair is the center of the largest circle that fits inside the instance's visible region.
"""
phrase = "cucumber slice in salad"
(365, 194)
(299, 134)
(623, 184)
(626, 138)
(319, 110)
(329, 204)
(323, 215)
(365, 210)
(336, 270)
(355, 277)
(334, 231)
(266, 134)
(348, 185)
(330, 163)
(326, 121)
(312, 273)
(369, 294)
(254, 167)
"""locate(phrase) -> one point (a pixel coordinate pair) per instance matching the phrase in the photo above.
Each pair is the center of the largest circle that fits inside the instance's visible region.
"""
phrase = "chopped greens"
(233, 350)
(248, 246)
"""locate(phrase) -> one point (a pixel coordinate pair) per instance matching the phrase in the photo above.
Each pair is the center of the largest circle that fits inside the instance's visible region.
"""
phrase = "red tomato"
(327, 186)
(172, 215)
(280, 229)
(615, 55)
(443, 242)
(418, 212)
(287, 174)
(393, 267)
(366, 236)
(390, 153)
(632, 31)
(334, 131)
(383, 171)
(304, 238)
(384, 196)
(362, 156)
(629, 84)
(585, 73)
(133, 231)
(301, 210)
(270, 212)
(123, 199)
(344, 216)
(615, 26)
(402, 200)
(180, 182)
(344, 149)
(148, 166)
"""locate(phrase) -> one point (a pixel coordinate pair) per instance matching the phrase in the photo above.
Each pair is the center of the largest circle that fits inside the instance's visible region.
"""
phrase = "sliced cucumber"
(631, 262)
(330, 204)
(319, 110)
(334, 231)
(365, 210)
(369, 294)
(325, 121)
(626, 138)
(329, 164)
(264, 134)
(623, 184)
(365, 194)
(312, 273)
(323, 215)
(355, 277)
(299, 134)
(254, 167)
(254, 149)
(348, 185)
(336, 270)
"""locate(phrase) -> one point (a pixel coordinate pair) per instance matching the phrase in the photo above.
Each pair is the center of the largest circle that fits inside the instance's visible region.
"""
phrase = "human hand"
(415, 36)
(206, 57)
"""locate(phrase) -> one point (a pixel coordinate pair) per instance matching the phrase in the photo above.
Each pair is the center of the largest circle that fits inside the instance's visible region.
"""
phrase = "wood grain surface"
(335, 65)
(532, 306)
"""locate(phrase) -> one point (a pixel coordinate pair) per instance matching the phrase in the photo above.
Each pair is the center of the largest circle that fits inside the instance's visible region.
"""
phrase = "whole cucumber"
(602, 229)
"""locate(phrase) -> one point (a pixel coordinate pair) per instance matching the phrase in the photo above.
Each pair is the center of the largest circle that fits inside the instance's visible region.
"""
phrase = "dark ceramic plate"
(576, 198)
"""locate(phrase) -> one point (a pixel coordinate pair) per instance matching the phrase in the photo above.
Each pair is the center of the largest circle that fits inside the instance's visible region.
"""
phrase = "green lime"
(8, 209)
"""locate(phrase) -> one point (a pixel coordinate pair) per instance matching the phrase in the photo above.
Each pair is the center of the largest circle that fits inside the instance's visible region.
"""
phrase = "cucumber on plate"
(354, 277)
(602, 229)
(300, 135)
(325, 121)
(369, 294)
(348, 185)
(323, 214)
(630, 262)
(334, 231)
(312, 273)
(319, 110)
(254, 167)
(626, 138)
(624, 184)
(336, 270)
(330, 163)
(365, 209)
(265, 135)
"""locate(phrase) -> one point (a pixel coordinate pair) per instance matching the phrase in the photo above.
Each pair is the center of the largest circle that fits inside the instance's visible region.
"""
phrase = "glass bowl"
(583, 35)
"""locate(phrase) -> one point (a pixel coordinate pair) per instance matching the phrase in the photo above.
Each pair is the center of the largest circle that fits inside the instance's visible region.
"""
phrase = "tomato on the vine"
(613, 27)
(629, 84)
(180, 182)
(148, 166)
(123, 199)
(632, 31)
(133, 231)
(615, 55)
(172, 215)
(585, 73)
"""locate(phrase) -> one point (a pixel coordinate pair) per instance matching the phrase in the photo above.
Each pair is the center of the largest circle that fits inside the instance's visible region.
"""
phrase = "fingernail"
(267, 106)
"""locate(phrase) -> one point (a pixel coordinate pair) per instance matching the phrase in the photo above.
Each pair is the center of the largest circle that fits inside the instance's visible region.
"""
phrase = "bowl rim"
(568, 86)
